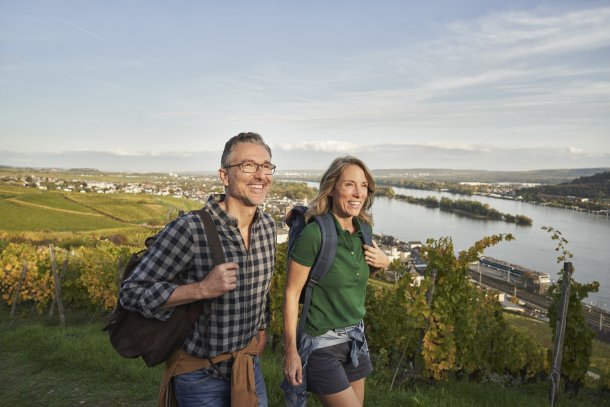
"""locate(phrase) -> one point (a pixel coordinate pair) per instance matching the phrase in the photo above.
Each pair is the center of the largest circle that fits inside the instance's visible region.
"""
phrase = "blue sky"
(161, 86)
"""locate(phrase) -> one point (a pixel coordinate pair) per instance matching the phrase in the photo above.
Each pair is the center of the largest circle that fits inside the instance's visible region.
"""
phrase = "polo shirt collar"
(355, 222)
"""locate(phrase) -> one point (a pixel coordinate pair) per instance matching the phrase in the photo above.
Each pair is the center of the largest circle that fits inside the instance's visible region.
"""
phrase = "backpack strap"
(324, 259)
(295, 221)
(366, 232)
(218, 257)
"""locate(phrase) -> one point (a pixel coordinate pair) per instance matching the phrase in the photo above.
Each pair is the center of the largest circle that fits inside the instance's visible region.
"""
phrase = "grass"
(129, 208)
(13, 190)
(541, 332)
(19, 218)
(54, 200)
(46, 365)
(27, 209)
(70, 366)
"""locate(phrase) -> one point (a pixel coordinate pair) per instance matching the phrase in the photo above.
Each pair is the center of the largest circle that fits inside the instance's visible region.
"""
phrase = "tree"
(451, 336)
(578, 337)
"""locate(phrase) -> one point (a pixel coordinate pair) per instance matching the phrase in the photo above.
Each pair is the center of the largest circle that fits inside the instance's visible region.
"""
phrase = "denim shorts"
(330, 369)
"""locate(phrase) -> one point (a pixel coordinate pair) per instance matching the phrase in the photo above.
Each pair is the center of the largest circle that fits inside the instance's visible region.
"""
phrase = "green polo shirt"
(338, 299)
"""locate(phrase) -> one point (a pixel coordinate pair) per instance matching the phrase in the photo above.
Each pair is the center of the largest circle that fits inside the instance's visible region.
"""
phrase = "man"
(178, 269)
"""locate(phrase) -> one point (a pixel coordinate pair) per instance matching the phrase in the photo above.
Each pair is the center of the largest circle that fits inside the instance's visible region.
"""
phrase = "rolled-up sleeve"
(151, 283)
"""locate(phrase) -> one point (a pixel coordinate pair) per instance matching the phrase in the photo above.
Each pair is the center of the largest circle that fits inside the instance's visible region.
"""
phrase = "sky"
(144, 85)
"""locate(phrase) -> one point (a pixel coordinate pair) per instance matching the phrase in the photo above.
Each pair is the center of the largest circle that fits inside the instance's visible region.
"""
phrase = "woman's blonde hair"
(322, 203)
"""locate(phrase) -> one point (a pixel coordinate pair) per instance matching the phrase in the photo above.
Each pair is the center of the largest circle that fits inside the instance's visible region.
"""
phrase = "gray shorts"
(330, 369)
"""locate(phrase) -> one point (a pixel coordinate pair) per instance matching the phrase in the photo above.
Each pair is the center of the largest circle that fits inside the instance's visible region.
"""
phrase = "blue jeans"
(201, 389)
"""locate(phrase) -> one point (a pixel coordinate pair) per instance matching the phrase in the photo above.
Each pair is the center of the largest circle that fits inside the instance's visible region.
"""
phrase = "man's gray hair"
(241, 138)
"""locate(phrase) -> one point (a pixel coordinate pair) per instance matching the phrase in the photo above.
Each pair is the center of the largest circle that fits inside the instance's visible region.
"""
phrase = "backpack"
(132, 335)
(325, 257)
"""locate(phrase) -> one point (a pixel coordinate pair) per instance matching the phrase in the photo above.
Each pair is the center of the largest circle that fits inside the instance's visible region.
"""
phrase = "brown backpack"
(132, 335)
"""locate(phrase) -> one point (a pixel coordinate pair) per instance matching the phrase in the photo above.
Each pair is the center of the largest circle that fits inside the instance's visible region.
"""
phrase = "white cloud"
(574, 150)
(459, 147)
(121, 152)
(329, 146)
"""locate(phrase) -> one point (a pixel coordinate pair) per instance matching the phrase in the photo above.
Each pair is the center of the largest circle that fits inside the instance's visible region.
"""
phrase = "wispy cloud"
(510, 35)
(491, 75)
(88, 32)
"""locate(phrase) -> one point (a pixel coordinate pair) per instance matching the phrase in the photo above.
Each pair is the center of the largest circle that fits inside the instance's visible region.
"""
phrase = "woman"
(333, 348)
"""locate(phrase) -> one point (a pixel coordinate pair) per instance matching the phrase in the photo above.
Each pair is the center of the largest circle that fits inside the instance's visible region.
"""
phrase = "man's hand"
(222, 279)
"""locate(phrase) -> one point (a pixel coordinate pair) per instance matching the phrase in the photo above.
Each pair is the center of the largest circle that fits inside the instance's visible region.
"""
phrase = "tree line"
(460, 206)
(591, 192)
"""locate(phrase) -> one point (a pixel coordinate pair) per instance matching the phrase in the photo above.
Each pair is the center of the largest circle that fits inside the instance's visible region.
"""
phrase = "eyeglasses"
(250, 167)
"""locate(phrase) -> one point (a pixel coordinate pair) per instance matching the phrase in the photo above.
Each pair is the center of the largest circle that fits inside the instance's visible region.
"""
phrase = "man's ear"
(223, 176)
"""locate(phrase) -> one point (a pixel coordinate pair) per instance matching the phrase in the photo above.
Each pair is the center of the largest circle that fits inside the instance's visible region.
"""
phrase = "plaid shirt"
(180, 255)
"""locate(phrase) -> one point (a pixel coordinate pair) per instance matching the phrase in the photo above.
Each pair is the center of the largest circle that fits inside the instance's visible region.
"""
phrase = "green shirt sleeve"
(307, 245)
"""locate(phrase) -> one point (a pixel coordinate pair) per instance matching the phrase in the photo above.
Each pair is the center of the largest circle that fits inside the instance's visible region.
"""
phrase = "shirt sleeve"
(150, 285)
(266, 314)
(307, 245)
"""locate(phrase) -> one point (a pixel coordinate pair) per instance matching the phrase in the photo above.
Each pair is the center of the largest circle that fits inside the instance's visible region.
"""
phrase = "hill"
(601, 178)
(550, 176)
(593, 187)
(32, 210)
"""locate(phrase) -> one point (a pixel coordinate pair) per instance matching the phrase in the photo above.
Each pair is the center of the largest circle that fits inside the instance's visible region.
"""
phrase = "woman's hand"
(292, 368)
(375, 257)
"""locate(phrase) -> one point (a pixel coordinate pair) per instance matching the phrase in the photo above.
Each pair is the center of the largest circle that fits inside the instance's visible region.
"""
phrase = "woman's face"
(350, 192)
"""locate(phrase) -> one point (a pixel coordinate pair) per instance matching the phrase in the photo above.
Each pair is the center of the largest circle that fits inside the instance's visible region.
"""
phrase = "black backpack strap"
(325, 258)
(218, 257)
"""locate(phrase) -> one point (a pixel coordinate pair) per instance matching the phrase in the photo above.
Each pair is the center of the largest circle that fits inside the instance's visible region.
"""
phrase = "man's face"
(249, 189)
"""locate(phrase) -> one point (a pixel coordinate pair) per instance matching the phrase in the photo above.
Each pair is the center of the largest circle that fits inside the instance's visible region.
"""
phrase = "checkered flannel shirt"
(180, 255)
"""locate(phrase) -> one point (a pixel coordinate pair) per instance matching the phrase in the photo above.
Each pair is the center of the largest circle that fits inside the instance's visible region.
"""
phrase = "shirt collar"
(355, 222)
(224, 217)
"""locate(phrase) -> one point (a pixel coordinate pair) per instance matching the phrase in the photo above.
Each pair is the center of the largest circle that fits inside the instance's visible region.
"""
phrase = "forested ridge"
(596, 186)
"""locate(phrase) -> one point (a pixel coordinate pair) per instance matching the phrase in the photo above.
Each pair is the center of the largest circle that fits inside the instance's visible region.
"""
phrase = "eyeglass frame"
(241, 167)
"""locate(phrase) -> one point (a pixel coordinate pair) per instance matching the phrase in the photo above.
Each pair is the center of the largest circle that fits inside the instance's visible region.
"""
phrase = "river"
(588, 234)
